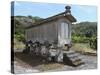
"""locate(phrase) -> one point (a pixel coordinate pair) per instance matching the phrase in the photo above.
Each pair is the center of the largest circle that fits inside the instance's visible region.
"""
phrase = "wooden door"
(63, 33)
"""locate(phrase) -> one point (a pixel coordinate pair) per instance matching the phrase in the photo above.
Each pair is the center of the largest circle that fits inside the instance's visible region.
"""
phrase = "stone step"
(73, 55)
(76, 63)
(69, 52)
(77, 60)
(73, 58)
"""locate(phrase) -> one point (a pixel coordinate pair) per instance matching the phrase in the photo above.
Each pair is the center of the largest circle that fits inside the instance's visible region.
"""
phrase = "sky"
(44, 10)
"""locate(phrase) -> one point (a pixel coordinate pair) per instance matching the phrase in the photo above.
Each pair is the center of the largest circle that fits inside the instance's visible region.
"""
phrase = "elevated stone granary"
(56, 30)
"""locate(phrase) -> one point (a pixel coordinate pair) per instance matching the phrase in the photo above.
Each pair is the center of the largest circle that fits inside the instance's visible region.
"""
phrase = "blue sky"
(44, 10)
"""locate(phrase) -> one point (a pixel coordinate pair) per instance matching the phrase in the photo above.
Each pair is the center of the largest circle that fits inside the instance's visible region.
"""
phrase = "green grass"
(83, 47)
(18, 44)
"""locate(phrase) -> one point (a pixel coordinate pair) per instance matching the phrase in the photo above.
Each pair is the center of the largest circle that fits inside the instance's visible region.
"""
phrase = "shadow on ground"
(31, 60)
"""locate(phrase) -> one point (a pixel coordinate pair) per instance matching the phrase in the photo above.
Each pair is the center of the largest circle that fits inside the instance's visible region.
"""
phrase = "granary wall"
(50, 31)
(44, 32)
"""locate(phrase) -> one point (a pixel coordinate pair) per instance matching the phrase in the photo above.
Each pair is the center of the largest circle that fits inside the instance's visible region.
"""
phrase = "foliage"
(20, 22)
(84, 29)
(93, 43)
(79, 39)
(20, 37)
(83, 48)
(85, 32)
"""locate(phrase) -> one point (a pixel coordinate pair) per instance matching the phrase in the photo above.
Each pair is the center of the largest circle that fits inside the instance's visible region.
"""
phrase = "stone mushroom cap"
(68, 9)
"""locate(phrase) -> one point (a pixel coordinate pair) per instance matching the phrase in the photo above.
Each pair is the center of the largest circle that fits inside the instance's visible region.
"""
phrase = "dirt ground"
(26, 63)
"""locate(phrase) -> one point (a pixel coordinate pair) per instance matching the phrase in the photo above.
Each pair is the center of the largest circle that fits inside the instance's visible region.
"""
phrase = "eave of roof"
(63, 14)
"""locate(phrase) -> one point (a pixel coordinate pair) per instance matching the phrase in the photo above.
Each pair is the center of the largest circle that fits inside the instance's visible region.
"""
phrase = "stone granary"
(51, 38)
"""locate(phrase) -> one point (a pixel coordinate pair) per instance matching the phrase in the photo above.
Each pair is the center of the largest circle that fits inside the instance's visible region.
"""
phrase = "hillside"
(84, 28)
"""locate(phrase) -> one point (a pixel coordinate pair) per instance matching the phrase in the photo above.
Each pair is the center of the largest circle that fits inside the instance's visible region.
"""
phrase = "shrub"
(78, 39)
(92, 41)
(20, 37)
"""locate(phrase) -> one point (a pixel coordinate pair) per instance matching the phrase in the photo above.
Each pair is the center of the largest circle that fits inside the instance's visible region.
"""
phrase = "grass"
(83, 48)
(18, 45)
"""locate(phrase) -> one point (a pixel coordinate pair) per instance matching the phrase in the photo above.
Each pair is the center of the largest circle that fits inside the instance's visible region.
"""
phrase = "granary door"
(63, 34)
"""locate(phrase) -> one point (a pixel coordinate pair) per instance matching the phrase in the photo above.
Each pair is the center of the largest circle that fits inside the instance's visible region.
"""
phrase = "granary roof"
(67, 14)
